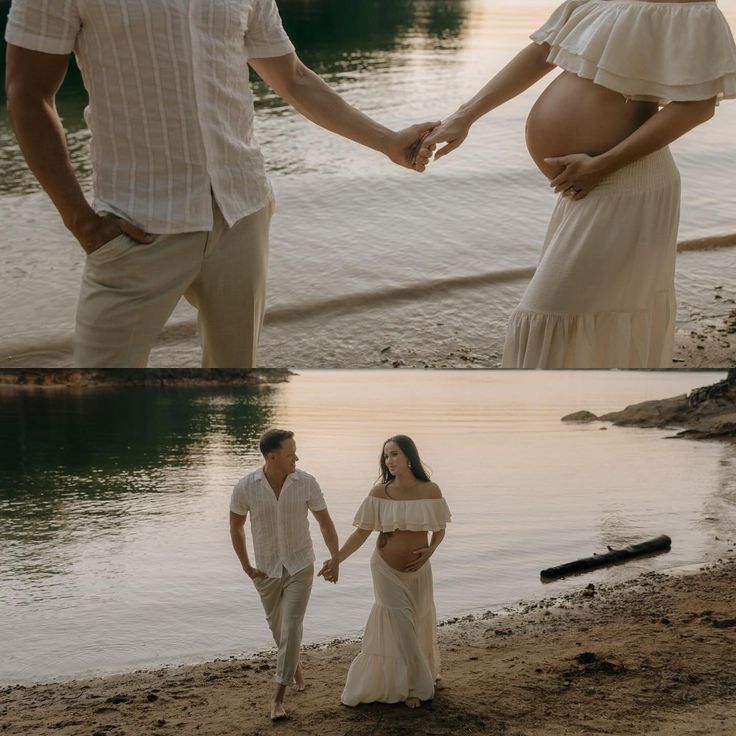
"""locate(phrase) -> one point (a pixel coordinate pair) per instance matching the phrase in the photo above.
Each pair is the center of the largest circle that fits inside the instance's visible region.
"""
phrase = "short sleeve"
(367, 516)
(265, 35)
(239, 500)
(316, 500)
(50, 26)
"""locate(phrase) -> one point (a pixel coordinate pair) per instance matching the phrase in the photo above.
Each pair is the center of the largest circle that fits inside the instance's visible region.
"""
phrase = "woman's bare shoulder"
(378, 491)
(431, 490)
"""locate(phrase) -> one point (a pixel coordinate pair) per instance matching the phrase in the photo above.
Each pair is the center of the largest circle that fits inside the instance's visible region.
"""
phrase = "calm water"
(114, 544)
(348, 221)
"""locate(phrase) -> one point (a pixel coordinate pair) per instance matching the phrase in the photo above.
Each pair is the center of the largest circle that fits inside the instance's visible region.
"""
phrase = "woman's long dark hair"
(407, 446)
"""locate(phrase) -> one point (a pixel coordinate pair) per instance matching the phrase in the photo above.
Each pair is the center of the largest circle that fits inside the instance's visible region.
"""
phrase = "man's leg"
(230, 291)
(285, 603)
(128, 291)
(294, 600)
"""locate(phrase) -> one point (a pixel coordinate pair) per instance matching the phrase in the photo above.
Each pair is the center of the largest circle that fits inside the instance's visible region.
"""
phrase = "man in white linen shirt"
(182, 205)
(277, 496)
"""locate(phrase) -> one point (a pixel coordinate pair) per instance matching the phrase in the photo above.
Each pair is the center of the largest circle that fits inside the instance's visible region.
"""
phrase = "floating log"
(658, 544)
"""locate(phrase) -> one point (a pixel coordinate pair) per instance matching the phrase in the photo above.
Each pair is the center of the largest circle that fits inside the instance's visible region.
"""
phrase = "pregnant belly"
(575, 115)
(399, 548)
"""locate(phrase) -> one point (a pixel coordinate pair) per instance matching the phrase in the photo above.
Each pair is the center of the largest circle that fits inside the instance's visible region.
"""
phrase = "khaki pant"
(285, 601)
(130, 289)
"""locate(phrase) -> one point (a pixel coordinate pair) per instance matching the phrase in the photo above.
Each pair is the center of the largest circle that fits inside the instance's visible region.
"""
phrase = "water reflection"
(113, 503)
(81, 463)
(342, 41)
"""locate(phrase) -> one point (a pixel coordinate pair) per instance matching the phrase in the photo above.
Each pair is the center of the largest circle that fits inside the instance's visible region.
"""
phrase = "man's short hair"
(271, 440)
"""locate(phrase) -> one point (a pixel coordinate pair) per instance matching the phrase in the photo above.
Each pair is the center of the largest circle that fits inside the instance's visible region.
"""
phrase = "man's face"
(285, 458)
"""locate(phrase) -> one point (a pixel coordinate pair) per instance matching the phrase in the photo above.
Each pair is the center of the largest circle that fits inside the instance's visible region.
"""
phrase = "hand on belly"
(405, 551)
(577, 116)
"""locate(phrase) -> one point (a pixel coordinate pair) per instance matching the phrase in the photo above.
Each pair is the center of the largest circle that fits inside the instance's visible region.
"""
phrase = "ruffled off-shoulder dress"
(603, 293)
(398, 657)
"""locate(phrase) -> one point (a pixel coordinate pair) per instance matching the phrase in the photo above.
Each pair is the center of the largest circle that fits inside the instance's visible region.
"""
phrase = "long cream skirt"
(603, 295)
(399, 656)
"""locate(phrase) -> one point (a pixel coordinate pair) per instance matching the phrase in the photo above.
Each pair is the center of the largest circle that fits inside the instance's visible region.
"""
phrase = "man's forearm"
(664, 127)
(40, 136)
(526, 68)
(329, 534)
(237, 537)
(318, 102)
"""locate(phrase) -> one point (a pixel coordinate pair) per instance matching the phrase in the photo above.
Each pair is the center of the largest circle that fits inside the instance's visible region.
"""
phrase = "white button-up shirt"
(279, 527)
(170, 112)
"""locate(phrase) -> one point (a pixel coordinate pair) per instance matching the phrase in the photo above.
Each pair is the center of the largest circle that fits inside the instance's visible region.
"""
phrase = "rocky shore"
(705, 413)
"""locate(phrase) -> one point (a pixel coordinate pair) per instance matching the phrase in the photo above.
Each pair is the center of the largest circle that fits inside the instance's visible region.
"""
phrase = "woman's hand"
(452, 132)
(422, 555)
(580, 174)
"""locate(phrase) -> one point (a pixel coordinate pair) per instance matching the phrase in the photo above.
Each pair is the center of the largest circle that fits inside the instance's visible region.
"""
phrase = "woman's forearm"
(437, 537)
(666, 126)
(526, 68)
(354, 542)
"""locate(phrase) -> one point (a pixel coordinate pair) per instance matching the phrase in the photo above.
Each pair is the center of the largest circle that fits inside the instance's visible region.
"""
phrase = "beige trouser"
(285, 601)
(130, 289)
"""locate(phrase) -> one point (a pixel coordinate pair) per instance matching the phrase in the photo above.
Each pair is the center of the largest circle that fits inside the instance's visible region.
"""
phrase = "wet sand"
(653, 655)
(399, 335)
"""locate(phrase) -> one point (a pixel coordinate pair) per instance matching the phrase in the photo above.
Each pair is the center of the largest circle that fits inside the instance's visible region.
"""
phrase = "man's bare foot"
(277, 711)
(412, 702)
(299, 679)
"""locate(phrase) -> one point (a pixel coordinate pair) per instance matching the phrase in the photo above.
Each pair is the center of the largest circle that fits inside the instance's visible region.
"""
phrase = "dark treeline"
(107, 439)
(326, 32)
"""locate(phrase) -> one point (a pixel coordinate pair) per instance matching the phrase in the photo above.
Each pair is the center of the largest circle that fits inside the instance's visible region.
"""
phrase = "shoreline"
(702, 343)
(44, 378)
(653, 654)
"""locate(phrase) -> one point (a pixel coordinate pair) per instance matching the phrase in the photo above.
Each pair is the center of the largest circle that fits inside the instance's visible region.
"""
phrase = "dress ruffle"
(398, 657)
(387, 515)
(639, 339)
(660, 52)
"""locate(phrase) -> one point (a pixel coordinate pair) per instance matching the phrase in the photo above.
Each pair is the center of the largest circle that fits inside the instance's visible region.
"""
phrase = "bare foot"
(412, 702)
(299, 678)
(277, 711)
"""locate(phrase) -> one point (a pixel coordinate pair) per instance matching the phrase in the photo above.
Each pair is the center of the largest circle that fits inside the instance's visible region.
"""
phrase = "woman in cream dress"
(636, 75)
(398, 660)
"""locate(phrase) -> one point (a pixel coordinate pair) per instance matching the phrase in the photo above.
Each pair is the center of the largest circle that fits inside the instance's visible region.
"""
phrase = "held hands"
(101, 229)
(580, 174)
(452, 132)
(330, 570)
(408, 147)
(422, 555)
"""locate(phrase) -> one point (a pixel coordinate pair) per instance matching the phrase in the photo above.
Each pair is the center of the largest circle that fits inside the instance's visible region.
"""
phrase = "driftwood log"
(658, 544)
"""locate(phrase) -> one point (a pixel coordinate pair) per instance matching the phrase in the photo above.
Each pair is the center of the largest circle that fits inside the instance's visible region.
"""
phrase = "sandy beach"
(653, 655)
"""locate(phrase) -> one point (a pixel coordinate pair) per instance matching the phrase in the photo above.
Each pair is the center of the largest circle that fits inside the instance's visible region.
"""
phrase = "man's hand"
(330, 570)
(579, 176)
(422, 555)
(253, 572)
(452, 132)
(408, 147)
(101, 229)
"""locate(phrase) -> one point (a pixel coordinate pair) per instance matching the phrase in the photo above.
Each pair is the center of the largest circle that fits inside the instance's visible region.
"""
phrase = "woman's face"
(396, 462)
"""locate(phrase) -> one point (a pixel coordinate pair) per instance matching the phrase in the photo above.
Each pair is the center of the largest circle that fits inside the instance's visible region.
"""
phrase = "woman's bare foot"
(300, 686)
(412, 702)
(277, 710)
